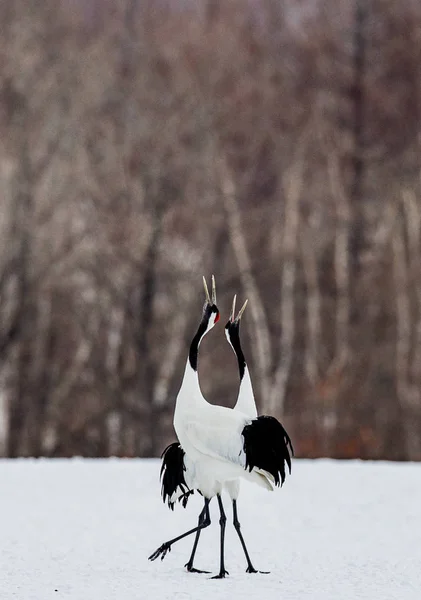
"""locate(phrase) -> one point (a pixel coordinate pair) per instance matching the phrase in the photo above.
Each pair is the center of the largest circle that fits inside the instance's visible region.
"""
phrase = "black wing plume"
(172, 475)
(267, 446)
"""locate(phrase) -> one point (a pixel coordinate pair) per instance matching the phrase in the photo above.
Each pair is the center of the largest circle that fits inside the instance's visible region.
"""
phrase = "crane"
(222, 444)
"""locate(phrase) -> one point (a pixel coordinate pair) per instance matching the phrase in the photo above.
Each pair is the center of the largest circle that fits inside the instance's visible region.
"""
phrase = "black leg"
(250, 568)
(166, 546)
(202, 517)
(222, 521)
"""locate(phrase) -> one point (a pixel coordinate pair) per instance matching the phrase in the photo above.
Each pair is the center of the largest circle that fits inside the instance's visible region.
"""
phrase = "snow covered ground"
(83, 529)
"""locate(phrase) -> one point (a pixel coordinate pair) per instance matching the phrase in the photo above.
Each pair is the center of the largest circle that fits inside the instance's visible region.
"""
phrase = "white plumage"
(245, 404)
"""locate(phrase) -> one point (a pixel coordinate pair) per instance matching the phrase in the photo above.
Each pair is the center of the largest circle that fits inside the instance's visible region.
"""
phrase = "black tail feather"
(267, 446)
(172, 475)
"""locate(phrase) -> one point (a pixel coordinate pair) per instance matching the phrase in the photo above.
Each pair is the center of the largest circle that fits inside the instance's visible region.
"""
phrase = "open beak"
(233, 318)
(210, 300)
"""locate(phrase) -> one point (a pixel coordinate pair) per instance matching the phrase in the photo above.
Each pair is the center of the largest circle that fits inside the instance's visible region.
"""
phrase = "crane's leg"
(250, 568)
(189, 565)
(222, 521)
(204, 521)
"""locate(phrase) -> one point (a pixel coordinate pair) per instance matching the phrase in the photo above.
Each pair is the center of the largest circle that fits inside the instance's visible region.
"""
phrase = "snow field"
(83, 529)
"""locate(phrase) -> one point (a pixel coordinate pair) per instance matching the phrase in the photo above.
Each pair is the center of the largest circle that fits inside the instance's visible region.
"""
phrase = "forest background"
(275, 143)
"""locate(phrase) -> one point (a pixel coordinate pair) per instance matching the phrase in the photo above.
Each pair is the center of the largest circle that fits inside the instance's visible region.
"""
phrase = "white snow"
(83, 529)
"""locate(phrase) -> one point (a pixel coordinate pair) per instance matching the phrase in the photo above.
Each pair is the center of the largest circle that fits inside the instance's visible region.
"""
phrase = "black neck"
(194, 346)
(234, 333)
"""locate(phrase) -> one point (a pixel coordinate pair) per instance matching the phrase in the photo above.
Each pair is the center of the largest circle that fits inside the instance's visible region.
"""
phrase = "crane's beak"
(205, 285)
(213, 290)
(240, 312)
(232, 315)
(210, 300)
(233, 318)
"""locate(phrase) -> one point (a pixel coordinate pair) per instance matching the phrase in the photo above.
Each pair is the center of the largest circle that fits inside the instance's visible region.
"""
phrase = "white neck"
(245, 400)
(190, 396)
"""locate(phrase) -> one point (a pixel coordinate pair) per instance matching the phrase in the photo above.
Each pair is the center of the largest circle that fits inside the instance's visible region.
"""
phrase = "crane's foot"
(161, 551)
(251, 569)
(221, 574)
(192, 569)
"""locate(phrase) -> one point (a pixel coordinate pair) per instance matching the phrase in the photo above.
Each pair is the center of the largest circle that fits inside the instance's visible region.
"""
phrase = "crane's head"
(210, 310)
(232, 327)
(209, 318)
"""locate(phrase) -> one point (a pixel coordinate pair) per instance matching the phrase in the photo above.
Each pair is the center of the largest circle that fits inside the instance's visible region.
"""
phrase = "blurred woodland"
(275, 143)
